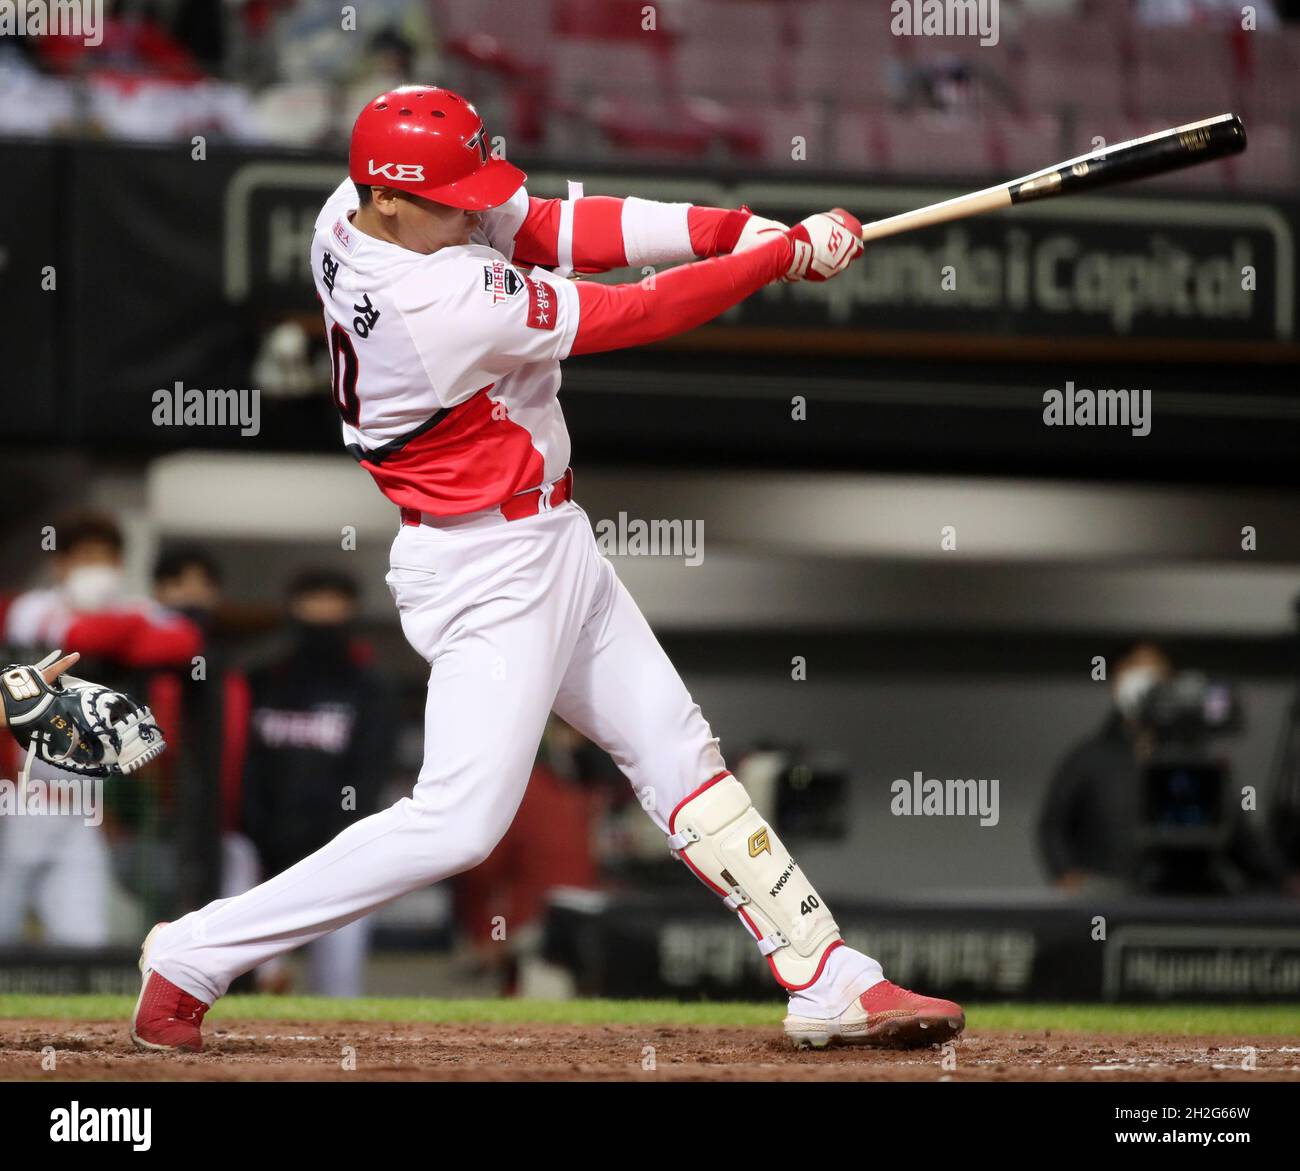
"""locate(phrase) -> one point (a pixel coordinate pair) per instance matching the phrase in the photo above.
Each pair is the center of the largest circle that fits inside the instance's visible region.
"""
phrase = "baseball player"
(446, 336)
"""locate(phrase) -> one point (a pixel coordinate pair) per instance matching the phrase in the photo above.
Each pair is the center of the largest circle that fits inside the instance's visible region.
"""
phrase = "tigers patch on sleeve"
(501, 281)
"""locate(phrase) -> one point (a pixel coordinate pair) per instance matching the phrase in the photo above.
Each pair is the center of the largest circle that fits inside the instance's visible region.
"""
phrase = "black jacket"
(319, 751)
(1092, 821)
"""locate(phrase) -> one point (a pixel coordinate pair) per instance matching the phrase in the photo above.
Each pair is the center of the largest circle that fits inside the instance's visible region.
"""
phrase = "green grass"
(1281, 1020)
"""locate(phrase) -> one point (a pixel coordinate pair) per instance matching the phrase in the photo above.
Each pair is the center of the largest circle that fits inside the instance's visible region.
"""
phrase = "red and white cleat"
(884, 1015)
(166, 1017)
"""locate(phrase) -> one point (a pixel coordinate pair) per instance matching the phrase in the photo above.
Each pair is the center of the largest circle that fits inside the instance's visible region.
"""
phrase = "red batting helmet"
(430, 142)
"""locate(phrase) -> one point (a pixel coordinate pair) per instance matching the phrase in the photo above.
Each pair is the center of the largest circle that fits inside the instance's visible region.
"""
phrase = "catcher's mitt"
(82, 727)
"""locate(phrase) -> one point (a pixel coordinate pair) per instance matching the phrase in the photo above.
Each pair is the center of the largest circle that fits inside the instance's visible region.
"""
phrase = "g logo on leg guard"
(718, 833)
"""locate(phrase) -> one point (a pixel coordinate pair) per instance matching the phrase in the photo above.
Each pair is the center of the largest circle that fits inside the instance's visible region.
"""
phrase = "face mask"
(320, 641)
(201, 616)
(1132, 689)
(92, 587)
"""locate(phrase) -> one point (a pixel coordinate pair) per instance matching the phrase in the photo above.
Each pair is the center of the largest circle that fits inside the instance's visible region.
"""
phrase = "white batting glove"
(757, 231)
(825, 245)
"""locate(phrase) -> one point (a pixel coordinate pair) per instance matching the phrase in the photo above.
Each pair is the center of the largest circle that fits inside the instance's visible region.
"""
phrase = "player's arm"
(597, 233)
(471, 324)
(615, 317)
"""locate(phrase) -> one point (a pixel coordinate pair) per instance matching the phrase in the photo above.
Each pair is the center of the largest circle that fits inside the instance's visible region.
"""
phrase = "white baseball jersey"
(446, 366)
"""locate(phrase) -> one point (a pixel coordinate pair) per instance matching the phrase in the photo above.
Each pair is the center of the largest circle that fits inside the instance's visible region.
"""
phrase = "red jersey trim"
(465, 458)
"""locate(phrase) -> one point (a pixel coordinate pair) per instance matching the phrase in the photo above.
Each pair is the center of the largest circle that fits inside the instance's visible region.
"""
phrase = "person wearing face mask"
(57, 870)
(89, 606)
(318, 753)
(1092, 827)
(1088, 829)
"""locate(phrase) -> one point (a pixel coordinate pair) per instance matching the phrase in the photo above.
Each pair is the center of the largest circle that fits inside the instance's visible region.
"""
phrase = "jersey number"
(343, 368)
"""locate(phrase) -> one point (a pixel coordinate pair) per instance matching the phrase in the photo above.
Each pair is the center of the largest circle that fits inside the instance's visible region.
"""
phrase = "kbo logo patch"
(501, 280)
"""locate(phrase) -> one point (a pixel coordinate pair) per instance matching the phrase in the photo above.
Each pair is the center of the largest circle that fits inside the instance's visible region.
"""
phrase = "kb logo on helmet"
(399, 172)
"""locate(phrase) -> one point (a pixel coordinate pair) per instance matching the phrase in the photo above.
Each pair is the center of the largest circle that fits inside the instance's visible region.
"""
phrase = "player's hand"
(51, 673)
(825, 245)
(757, 231)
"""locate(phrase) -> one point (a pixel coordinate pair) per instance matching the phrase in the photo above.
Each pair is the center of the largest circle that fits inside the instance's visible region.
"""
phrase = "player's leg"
(481, 735)
(622, 692)
(495, 644)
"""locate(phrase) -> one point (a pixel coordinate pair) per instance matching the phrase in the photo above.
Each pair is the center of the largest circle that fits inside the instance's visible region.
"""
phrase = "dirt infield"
(281, 1051)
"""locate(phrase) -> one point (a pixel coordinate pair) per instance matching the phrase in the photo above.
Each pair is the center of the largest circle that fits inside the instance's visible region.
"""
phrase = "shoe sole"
(140, 1042)
(905, 1033)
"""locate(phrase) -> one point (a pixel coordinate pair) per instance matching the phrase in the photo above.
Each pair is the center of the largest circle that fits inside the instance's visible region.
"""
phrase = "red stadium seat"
(1022, 145)
(1269, 64)
(727, 72)
(914, 144)
(848, 73)
(734, 23)
(581, 70)
(612, 20)
(778, 126)
(522, 28)
(1187, 69)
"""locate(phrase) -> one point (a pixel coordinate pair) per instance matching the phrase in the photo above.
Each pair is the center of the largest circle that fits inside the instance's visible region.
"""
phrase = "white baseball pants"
(515, 619)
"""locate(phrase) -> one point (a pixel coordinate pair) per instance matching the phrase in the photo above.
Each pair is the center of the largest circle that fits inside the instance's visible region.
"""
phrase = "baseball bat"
(1139, 158)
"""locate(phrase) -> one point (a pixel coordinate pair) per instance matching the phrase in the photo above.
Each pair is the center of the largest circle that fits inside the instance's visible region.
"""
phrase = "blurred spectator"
(89, 608)
(319, 744)
(205, 710)
(188, 582)
(323, 75)
(58, 869)
(1092, 827)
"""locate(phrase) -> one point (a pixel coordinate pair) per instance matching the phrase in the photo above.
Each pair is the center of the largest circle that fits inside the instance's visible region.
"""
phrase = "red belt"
(522, 504)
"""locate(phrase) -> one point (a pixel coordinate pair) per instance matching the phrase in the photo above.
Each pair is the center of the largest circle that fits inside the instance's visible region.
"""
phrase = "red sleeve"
(613, 317)
(134, 639)
(598, 232)
(715, 230)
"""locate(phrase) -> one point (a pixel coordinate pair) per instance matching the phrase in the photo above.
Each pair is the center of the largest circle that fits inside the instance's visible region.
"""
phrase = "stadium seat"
(581, 70)
(779, 124)
(522, 28)
(1022, 145)
(914, 144)
(727, 73)
(1269, 65)
(844, 73)
(1188, 69)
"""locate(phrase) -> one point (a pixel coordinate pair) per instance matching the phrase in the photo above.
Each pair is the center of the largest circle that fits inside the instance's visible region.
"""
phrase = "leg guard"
(718, 833)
